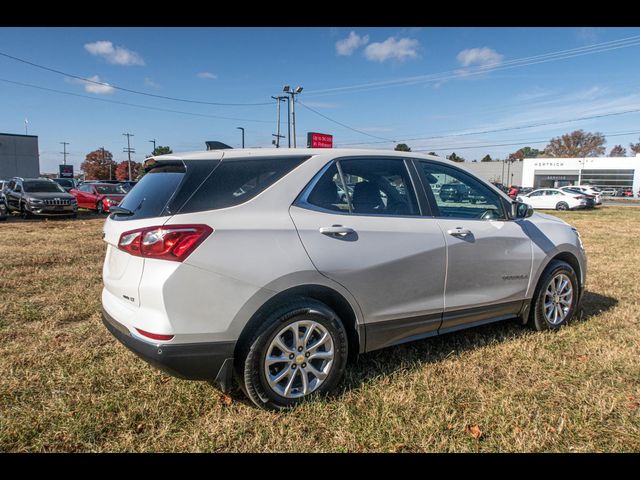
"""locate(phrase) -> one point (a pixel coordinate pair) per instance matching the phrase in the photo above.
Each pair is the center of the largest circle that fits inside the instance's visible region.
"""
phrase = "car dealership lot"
(68, 385)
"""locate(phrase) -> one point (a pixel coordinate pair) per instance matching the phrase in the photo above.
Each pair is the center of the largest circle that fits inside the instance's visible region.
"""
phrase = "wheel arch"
(327, 295)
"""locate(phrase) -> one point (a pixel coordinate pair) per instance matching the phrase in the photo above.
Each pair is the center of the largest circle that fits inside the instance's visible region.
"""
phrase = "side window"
(328, 192)
(459, 195)
(379, 186)
(551, 192)
(18, 188)
(12, 185)
(537, 193)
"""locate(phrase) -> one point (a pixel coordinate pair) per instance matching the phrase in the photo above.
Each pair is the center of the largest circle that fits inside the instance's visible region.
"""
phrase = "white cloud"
(150, 83)
(115, 55)
(207, 75)
(392, 47)
(480, 57)
(348, 45)
(101, 88)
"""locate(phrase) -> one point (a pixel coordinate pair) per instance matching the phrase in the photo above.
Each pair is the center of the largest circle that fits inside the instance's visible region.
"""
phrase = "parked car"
(586, 190)
(100, 197)
(608, 192)
(128, 185)
(39, 197)
(453, 192)
(3, 204)
(555, 199)
(591, 199)
(66, 183)
(279, 286)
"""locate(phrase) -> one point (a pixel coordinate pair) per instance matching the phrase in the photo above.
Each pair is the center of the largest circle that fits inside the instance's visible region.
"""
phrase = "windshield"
(44, 186)
(64, 182)
(110, 189)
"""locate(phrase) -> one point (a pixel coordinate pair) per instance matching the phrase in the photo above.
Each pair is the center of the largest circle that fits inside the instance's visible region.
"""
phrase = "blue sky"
(402, 84)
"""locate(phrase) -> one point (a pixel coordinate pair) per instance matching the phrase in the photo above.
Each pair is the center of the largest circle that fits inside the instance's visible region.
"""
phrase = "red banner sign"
(319, 140)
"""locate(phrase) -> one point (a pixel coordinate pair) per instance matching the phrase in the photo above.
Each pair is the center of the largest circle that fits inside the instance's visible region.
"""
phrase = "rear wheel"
(300, 350)
(555, 298)
(562, 206)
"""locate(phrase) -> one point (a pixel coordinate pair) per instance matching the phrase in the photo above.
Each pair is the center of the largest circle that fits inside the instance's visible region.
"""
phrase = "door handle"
(459, 232)
(336, 231)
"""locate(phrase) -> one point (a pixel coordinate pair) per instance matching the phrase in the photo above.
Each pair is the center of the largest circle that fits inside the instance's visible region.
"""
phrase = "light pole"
(277, 135)
(293, 93)
(154, 146)
(129, 150)
(240, 128)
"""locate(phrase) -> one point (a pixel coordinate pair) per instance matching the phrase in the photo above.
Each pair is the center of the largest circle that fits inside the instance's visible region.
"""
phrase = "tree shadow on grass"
(411, 356)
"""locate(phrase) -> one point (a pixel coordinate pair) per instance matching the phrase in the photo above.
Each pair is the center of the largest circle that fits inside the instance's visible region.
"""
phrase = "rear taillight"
(154, 336)
(172, 242)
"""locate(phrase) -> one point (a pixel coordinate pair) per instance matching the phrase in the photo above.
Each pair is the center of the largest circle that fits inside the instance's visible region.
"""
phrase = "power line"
(496, 66)
(104, 84)
(344, 125)
(520, 127)
(130, 104)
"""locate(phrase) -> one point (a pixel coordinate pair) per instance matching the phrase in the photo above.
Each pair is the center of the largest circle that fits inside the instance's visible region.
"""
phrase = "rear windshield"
(110, 189)
(152, 193)
(35, 186)
(195, 186)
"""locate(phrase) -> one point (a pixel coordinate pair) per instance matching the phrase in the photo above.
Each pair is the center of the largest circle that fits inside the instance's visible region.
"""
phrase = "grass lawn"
(67, 385)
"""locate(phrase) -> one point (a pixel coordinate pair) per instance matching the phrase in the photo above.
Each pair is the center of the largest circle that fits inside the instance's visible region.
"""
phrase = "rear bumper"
(211, 361)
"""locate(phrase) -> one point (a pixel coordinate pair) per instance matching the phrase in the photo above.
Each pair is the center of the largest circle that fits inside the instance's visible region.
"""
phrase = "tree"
(618, 151)
(402, 147)
(517, 155)
(455, 158)
(435, 154)
(487, 158)
(530, 152)
(635, 147)
(576, 144)
(96, 166)
(122, 170)
(160, 150)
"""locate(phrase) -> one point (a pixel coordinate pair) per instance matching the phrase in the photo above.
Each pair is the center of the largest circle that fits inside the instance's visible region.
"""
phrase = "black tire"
(24, 213)
(100, 208)
(562, 206)
(251, 354)
(537, 319)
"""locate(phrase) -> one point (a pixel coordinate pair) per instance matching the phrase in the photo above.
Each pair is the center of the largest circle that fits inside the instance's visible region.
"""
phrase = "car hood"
(50, 195)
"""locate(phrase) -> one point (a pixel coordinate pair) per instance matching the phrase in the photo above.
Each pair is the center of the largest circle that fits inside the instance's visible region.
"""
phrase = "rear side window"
(236, 181)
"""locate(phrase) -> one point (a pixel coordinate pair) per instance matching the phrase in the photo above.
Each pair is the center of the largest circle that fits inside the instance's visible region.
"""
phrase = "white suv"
(276, 266)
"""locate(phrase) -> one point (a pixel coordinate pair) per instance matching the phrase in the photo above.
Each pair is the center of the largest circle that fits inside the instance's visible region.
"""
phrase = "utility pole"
(240, 128)
(129, 150)
(102, 150)
(293, 93)
(154, 146)
(64, 144)
(278, 99)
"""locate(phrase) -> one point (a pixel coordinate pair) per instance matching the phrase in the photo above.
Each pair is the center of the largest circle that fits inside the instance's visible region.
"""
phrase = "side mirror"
(521, 210)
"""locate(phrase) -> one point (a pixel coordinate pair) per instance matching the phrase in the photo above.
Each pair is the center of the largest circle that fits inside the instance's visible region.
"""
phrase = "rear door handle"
(336, 231)
(459, 232)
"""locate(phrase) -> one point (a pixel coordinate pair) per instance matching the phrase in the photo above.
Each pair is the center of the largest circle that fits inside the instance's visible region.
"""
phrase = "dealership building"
(19, 156)
(607, 172)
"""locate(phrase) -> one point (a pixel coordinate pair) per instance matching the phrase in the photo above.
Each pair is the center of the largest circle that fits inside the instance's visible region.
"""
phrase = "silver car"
(274, 267)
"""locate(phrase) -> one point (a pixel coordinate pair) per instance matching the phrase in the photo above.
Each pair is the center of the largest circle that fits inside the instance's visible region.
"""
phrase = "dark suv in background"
(39, 196)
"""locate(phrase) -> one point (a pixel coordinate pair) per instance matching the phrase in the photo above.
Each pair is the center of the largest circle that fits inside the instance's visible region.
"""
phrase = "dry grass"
(67, 385)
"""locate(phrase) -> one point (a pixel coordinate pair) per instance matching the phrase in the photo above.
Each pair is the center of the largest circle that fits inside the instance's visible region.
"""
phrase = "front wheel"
(298, 351)
(556, 297)
(24, 213)
(562, 206)
(100, 208)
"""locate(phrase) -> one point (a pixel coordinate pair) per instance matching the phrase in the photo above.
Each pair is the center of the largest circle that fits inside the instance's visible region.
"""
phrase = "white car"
(586, 189)
(554, 199)
(274, 266)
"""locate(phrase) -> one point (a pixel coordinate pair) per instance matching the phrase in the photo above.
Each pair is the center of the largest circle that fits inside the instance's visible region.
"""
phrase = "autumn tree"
(98, 165)
(402, 147)
(455, 158)
(618, 151)
(160, 150)
(517, 155)
(487, 158)
(576, 144)
(635, 147)
(530, 152)
(122, 170)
